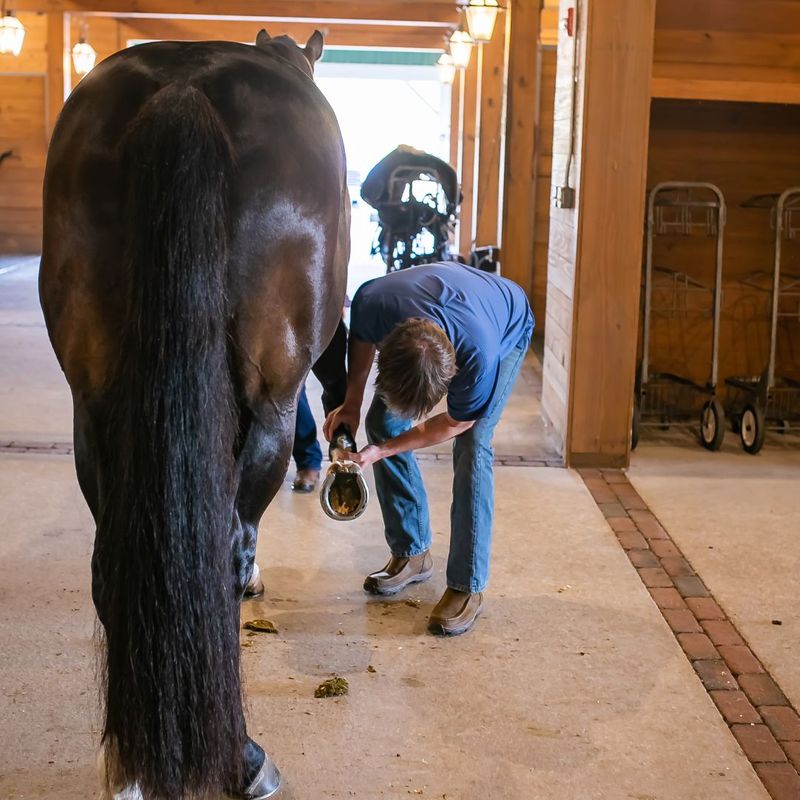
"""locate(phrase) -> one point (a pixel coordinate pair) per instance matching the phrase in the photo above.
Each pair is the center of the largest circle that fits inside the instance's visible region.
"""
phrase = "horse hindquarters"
(165, 587)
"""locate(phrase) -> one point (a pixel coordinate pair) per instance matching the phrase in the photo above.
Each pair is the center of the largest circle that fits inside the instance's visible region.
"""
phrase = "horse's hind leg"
(88, 421)
(263, 462)
(86, 453)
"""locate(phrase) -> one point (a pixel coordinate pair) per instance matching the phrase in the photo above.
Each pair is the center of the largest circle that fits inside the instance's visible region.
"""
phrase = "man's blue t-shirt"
(484, 316)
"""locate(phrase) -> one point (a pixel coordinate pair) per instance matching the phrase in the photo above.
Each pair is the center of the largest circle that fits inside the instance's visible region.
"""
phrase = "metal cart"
(664, 399)
(771, 402)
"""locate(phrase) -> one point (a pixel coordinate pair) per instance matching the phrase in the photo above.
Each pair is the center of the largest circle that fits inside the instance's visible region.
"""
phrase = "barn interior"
(637, 165)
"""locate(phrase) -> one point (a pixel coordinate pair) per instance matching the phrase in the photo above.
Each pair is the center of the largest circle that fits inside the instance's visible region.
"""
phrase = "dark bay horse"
(194, 264)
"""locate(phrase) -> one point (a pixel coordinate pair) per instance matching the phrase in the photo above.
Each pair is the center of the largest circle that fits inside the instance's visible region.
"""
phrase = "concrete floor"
(570, 686)
(737, 519)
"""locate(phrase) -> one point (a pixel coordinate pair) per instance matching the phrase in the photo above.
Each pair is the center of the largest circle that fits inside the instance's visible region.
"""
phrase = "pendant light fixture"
(481, 17)
(83, 54)
(461, 48)
(12, 33)
(446, 68)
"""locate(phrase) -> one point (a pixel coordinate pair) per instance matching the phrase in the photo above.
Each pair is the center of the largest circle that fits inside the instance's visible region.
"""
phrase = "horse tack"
(167, 170)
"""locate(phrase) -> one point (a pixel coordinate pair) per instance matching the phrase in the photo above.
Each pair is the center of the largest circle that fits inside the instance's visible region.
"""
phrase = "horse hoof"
(256, 586)
(266, 783)
(129, 793)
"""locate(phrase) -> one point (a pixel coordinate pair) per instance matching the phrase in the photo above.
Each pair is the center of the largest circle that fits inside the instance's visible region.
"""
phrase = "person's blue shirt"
(484, 316)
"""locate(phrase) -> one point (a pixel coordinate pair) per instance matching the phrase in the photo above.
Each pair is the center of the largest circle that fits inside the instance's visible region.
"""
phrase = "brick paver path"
(760, 717)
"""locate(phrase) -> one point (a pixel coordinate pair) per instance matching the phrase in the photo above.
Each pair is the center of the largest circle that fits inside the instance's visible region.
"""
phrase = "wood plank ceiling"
(387, 23)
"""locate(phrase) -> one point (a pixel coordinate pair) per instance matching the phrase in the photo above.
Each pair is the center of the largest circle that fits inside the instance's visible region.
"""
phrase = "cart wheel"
(753, 428)
(636, 424)
(712, 425)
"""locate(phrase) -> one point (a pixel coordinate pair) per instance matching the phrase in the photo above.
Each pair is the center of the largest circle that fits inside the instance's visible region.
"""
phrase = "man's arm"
(360, 356)
(435, 430)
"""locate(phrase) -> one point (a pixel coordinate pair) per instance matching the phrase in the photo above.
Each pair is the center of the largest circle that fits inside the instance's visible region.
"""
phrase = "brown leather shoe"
(399, 573)
(305, 481)
(455, 613)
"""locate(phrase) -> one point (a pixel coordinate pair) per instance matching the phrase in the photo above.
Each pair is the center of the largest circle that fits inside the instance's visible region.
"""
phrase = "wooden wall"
(709, 57)
(23, 127)
(746, 149)
(530, 113)
(519, 168)
(544, 162)
(562, 230)
(739, 50)
(22, 130)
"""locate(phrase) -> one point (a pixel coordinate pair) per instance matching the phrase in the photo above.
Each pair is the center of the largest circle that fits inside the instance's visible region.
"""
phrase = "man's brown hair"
(416, 363)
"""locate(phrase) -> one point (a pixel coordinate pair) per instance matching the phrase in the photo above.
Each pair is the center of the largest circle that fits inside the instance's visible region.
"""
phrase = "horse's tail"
(166, 595)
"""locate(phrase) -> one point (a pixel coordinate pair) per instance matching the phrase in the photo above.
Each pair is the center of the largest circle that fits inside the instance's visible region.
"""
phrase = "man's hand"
(346, 414)
(435, 430)
(365, 457)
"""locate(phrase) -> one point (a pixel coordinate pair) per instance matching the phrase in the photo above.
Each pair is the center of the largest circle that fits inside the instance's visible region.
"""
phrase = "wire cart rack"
(665, 399)
(771, 402)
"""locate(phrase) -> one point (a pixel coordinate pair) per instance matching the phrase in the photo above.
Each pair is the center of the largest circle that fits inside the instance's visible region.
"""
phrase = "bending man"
(440, 329)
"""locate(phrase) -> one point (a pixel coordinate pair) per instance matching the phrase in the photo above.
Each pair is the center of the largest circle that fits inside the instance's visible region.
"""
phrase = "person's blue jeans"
(306, 451)
(401, 491)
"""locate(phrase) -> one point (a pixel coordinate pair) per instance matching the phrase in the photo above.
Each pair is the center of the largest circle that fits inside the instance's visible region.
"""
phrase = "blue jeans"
(401, 491)
(306, 451)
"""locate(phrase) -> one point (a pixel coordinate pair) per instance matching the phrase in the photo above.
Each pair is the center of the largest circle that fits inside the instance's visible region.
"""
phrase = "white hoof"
(129, 793)
(255, 588)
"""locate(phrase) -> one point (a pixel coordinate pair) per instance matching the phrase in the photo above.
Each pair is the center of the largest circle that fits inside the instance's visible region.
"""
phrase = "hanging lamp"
(446, 68)
(83, 54)
(481, 18)
(12, 33)
(461, 48)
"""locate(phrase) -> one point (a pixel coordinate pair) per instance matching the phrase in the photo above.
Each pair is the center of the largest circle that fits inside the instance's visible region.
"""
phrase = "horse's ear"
(263, 38)
(313, 48)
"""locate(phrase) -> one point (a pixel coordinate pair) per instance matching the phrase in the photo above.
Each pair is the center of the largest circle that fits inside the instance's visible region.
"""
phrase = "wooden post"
(466, 229)
(59, 66)
(595, 255)
(492, 93)
(456, 90)
(519, 204)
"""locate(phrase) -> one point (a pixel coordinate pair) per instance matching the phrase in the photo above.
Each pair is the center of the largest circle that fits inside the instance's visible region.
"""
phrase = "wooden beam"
(455, 125)
(235, 31)
(493, 86)
(744, 16)
(698, 88)
(59, 66)
(455, 117)
(466, 229)
(519, 205)
(417, 12)
(596, 248)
